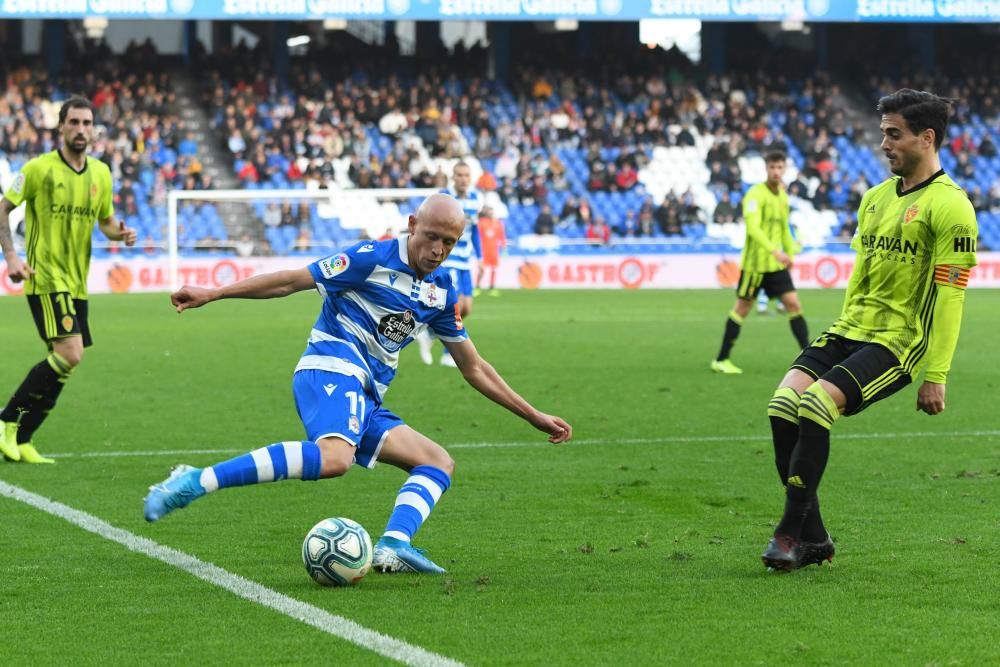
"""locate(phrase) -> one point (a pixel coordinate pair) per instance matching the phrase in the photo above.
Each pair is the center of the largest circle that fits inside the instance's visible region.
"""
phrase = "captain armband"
(951, 276)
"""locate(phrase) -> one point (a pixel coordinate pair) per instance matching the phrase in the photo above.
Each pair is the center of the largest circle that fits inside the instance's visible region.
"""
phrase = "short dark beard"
(68, 147)
(906, 166)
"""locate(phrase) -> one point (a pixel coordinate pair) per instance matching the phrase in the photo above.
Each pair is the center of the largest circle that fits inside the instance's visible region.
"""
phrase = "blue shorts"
(462, 280)
(331, 404)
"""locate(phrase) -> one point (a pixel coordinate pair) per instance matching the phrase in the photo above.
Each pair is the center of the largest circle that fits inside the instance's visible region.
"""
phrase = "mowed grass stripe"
(332, 624)
(535, 443)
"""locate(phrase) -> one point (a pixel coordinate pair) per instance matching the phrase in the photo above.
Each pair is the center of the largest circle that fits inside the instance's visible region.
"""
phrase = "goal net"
(281, 222)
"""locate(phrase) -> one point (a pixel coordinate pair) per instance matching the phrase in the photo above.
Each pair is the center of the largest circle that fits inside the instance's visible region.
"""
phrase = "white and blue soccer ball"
(337, 552)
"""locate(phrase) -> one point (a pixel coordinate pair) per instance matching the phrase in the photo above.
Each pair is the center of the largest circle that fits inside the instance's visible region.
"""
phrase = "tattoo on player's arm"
(6, 242)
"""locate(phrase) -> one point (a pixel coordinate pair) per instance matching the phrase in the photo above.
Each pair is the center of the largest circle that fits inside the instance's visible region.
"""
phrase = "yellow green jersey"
(766, 217)
(901, 238)
(61, 206)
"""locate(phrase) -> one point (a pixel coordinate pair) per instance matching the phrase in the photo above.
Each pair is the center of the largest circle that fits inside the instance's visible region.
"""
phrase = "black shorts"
(774, 284)
(58, 316)
(865, 372)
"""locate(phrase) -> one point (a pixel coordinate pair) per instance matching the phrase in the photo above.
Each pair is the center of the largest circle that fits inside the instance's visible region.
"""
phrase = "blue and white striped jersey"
(469, 243)
(373, 306)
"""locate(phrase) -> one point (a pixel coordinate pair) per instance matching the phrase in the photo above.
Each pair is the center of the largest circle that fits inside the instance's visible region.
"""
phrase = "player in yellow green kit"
(64, 192)
(767, 257)
(916, 242)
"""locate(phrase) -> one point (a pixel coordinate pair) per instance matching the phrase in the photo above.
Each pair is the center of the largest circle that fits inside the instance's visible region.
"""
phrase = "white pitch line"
(591, 441)
(320, 619)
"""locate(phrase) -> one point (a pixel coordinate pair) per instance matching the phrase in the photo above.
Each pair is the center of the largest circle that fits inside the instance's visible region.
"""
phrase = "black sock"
(733, 327)
(37, 395)
(808, 463)
(800, 330)
(813, 529)
(784, 435)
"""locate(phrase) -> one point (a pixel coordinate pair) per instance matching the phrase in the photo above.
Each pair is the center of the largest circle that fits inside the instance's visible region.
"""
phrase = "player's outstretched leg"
(811, 553)
(446, 359)
(180, 489)
(8, 441)
(284, 460)
(425, 343)
(817, 413)
(721, 363)
(799, 329)
(763, 303)
(416, 498)
(30, 405)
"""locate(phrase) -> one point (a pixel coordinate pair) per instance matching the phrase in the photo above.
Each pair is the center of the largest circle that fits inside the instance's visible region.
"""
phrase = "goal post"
(368, 212)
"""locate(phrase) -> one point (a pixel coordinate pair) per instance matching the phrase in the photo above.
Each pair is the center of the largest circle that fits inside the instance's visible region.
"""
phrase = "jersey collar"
(404, 256)
(899, 184)
(71, 167)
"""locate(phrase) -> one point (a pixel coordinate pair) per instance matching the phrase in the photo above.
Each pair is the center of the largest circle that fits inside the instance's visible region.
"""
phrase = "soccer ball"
(337, 552)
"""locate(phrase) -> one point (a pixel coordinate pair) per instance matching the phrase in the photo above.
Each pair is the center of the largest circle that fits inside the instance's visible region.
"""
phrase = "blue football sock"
(284, 460)
(416, 499)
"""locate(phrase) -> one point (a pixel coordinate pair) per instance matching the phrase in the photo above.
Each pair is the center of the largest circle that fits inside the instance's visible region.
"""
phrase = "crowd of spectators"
(394, 130)
(138, 132)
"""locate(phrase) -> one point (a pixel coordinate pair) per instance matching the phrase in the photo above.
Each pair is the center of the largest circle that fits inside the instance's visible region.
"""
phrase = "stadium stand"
(662, 156)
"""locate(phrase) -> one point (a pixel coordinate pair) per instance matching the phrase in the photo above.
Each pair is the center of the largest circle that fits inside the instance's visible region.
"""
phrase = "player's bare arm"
(481, 375)
(17, 268)
(117, 231)
(782, 257)
(264, 286)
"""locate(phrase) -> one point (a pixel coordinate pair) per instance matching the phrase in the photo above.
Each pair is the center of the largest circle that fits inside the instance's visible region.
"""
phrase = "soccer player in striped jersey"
(376, 296)
(916, 242)
(458, 264)
(767, 257)
(64, 192)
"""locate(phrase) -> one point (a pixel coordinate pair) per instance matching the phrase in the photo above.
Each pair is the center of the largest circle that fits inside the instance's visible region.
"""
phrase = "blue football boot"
(392, 555)
(176, 491)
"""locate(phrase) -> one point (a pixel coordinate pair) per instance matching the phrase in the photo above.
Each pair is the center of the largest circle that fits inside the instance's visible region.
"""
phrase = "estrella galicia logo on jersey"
(965, 244)
(910, 214)
(394, 328)
(331, 266)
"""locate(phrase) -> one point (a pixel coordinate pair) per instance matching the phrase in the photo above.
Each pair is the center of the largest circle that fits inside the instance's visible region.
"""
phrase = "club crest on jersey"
(93, 189)
(394, 329)
(354, 425)
(17, 187)
(331, 266)
(911, 214)
(433, 296)
(67, 323)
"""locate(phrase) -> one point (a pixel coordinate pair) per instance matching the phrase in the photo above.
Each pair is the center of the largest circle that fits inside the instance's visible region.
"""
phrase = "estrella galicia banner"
(939, 11)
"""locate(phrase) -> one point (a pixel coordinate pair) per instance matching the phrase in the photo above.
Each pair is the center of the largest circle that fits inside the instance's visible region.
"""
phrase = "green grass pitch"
(636, 544)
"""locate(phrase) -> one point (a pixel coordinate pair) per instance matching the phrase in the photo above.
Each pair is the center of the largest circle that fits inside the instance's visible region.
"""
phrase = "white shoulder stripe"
(397, 281)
